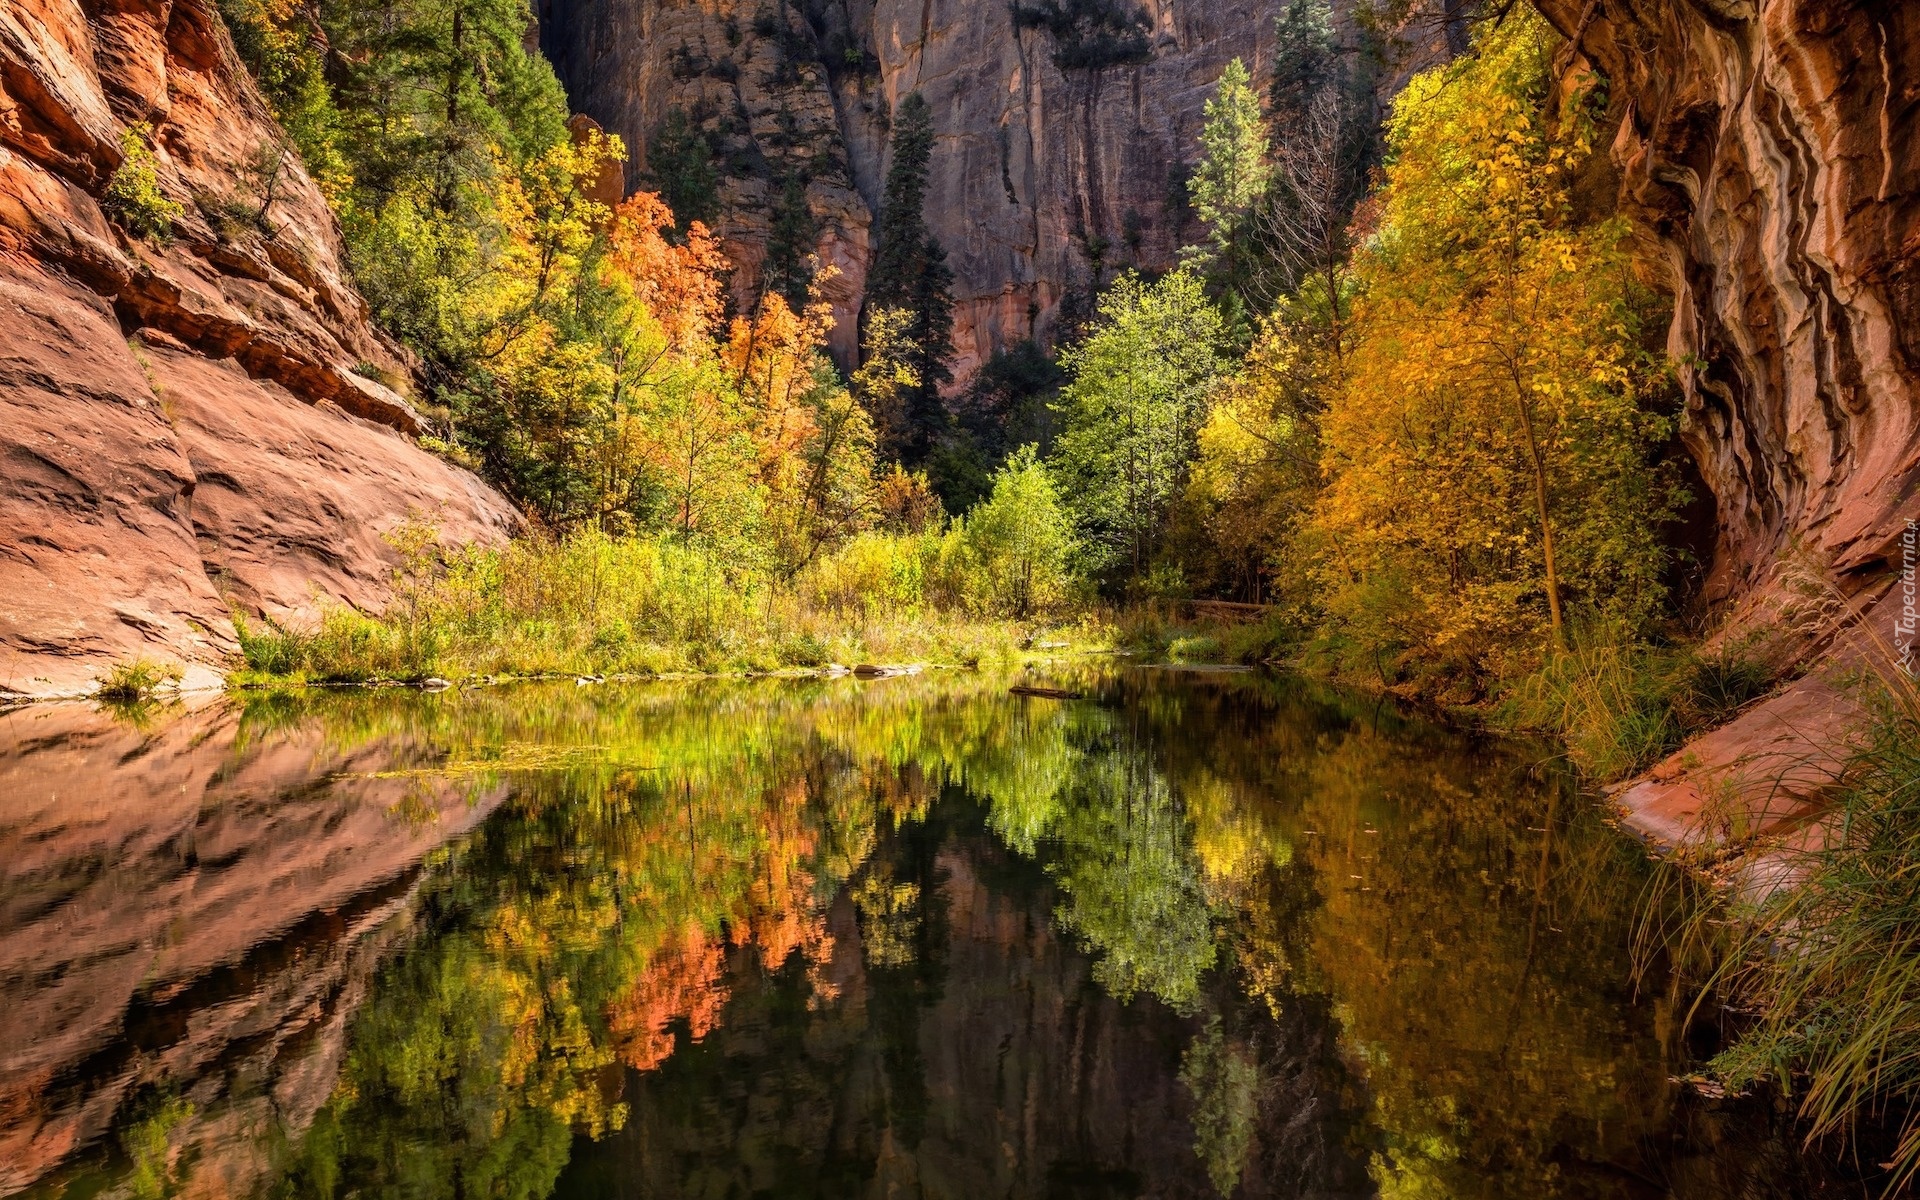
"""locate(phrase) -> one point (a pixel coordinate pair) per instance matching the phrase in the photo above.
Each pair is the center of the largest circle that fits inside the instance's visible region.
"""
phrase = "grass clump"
(594, 604)
(136, 680)
(1621, 705)
(1828, 971)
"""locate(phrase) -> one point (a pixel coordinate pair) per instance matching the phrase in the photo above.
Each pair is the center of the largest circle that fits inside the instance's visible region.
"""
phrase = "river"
(1194, 934)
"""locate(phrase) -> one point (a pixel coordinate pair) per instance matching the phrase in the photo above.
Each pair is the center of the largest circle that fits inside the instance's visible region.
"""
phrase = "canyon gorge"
(215, 423)
(1061, 157)
(211, 424)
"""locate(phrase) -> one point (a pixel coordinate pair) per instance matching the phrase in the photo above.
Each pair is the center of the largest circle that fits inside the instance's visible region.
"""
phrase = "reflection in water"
(1201, 935)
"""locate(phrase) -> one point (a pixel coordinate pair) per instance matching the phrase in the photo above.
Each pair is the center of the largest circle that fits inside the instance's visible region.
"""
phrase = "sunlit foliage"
(1489, 454)
(1231, 183)
(1138, 397)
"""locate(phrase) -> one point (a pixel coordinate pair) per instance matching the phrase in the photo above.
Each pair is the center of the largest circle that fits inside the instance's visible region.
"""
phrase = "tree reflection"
(1195, 936)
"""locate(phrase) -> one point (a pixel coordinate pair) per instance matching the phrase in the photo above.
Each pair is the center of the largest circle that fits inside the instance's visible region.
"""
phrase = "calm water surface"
(1196, 935)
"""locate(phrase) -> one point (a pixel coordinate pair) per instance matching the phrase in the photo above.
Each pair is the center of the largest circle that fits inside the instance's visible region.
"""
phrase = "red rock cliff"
(1771, 150)
(190, 427)
(1037, 170)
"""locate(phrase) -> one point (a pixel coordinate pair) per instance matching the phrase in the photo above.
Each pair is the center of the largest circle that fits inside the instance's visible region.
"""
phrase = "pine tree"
(910, 272)
(790, 244)
(680, 167)
(1232, 182)
(1303, 61)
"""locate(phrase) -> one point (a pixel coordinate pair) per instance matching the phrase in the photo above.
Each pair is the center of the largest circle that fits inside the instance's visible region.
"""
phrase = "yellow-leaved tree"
(1491, 456)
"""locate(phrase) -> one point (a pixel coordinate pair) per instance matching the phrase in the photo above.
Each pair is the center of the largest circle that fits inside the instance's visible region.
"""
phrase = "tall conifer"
(910, 273)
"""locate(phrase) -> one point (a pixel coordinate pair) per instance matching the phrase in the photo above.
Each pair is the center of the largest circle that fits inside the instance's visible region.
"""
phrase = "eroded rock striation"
(1770, 152)
(192, 426)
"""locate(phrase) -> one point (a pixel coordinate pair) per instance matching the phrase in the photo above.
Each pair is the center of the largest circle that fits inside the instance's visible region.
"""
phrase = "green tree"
(790, 244)
(910, 273)
(680, 168)
(1225, 1085)
(1091, 35)
(1138, 397)
(1019, 537)
(1231, 182)
(1304, 59)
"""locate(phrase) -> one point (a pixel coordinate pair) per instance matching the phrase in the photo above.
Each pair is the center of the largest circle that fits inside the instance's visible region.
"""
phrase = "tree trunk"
(1540, 503)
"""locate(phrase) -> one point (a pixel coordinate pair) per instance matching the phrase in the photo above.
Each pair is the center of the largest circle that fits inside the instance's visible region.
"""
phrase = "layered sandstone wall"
(1771, 151)
(189, 427)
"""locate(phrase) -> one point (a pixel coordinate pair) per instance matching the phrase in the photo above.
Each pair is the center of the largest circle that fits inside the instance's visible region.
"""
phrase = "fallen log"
(1043, 693)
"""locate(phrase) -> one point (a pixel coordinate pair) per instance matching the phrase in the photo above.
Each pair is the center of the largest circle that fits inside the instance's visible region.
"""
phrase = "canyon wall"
(1770, 151)
(1041, 175)
(187, 427)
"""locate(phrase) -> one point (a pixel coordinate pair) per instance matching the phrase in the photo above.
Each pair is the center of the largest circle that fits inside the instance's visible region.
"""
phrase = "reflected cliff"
(1196, 935)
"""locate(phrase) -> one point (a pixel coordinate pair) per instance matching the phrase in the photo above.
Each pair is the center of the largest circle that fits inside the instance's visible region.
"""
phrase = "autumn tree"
(815, 442)
(887, 378)
(1489, 451)
(674, 270)
(536, 405)
(1256, 474)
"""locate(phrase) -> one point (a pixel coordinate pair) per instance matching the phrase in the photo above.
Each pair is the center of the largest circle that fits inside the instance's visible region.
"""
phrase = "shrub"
(133, 197)
(273, 649)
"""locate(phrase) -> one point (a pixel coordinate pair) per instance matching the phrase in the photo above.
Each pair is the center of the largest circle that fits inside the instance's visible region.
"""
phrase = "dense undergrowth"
(591, 604)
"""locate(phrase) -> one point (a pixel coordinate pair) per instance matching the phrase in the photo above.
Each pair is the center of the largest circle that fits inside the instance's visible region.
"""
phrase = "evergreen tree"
(1304, 61)
(910, 273)
(790, 244)
(1230, 185)
(680, 168)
